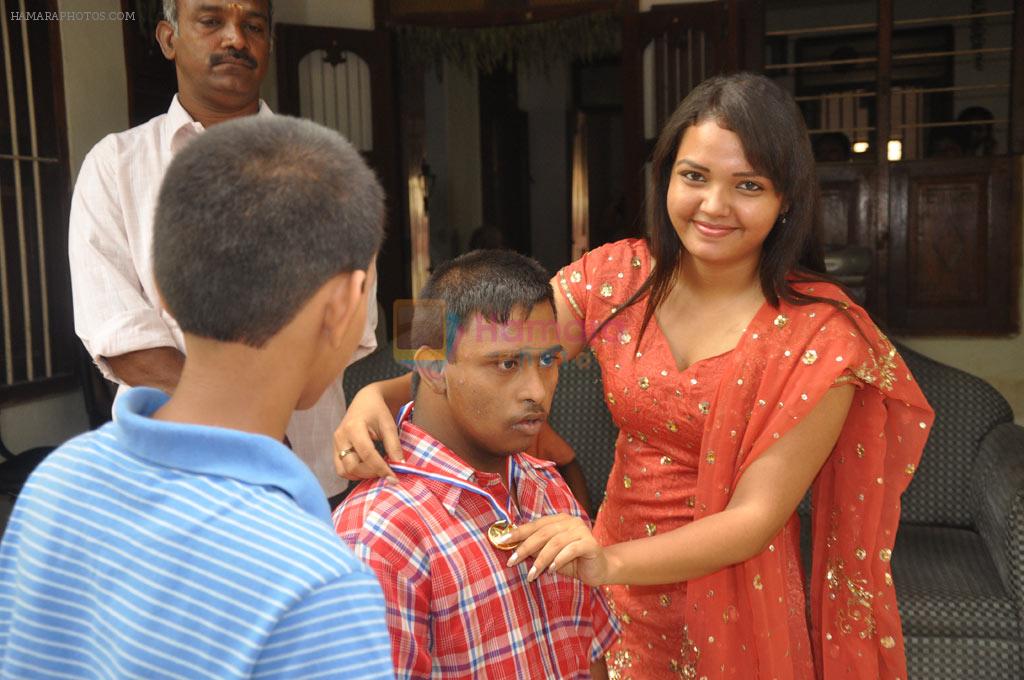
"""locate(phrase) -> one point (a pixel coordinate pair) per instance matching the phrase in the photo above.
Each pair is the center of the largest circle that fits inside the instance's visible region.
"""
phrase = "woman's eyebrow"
(703, 168)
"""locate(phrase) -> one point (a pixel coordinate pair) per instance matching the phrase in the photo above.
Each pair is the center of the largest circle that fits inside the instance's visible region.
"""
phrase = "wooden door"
(343, 79)
(666, 52)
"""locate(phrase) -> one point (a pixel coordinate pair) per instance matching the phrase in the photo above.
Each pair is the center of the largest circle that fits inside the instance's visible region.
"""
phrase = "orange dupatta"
(749, 620)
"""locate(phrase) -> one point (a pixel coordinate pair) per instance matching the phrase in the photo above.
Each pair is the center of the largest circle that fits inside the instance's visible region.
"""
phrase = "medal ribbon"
(504, 513)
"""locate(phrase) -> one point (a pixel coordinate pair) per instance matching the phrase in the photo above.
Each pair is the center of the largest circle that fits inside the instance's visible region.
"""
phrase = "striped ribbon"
(504, 513)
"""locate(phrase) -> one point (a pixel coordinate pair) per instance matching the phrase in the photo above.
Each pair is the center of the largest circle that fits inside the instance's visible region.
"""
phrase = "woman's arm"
(571, 331)
(371, 417)
(765, 498)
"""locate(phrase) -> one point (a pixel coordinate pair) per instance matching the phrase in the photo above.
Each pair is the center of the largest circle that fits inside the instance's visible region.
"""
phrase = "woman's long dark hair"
(774, 138)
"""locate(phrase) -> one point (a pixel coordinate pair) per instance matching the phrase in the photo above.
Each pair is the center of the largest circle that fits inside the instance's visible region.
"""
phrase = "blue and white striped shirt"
(149, 549)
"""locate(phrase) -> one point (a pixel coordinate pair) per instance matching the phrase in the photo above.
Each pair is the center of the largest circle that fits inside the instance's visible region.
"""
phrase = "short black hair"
(170, 8)
(253, 217)
(491, 283)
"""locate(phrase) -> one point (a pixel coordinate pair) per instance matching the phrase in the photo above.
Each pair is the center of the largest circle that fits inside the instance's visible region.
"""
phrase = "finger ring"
(345, 452)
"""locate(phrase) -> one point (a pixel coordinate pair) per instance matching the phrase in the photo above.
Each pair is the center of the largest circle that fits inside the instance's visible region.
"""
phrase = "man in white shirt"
(220, 50)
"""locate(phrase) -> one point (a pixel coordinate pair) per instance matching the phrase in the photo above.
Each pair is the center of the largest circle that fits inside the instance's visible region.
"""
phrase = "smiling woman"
(736, 399)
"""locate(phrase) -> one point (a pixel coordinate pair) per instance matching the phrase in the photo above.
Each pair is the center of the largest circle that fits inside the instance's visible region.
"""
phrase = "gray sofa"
(959, 556)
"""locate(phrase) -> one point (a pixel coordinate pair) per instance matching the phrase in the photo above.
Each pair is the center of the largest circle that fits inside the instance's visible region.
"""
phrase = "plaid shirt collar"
(424, 452)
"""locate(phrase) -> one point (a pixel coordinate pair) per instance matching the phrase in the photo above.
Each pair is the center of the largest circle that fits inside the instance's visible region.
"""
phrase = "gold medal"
(499, 529)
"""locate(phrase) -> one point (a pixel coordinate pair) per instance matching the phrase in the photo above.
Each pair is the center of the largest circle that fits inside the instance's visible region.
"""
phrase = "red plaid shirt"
(454, 609)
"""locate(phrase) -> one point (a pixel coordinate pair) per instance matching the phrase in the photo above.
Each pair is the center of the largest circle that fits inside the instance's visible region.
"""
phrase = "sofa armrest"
(998, 488)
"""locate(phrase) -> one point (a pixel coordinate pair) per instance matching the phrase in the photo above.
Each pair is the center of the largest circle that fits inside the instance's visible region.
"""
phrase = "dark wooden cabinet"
(943, 234)
(953, 246)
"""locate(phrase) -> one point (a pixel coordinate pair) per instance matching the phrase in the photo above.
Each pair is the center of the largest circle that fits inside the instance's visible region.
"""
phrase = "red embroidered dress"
(686, 437)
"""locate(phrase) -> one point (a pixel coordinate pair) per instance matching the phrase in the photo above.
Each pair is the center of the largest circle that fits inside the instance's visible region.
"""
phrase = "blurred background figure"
(487, 238)
(978, 137)
(831, 147)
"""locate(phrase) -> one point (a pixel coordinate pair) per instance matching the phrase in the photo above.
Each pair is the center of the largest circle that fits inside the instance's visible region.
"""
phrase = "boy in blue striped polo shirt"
(184, 540)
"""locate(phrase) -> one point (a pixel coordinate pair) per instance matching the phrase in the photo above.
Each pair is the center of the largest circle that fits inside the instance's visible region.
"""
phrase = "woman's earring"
(785, 216)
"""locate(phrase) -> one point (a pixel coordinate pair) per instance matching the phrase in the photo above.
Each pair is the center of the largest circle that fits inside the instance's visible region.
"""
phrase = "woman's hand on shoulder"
(367, 420)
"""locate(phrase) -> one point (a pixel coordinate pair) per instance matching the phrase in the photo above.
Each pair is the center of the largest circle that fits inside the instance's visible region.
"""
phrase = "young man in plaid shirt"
(455, 609)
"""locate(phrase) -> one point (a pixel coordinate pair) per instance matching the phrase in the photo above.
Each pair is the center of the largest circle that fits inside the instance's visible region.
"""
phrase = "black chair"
(15, 468)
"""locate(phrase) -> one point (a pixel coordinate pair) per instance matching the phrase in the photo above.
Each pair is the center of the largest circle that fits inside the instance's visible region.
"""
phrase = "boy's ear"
(344, 295)
(165, 38)
(430, 366)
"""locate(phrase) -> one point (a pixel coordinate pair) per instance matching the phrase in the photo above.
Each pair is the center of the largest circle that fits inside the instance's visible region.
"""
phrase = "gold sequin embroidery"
(757, 582)
(665, 460)
(575, 277)
(810, 356)
(858, 610)
(606, 290)
(627, 482)
(617, 663)
(635, 262)
(880, 371)
(781, 320)
(650, 528)
(644, 382)
(704, 407)
(672, 427)
(710, 457)
(569, 297)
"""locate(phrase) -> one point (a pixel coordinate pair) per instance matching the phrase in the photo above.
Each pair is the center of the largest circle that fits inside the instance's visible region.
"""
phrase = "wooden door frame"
(292, 43)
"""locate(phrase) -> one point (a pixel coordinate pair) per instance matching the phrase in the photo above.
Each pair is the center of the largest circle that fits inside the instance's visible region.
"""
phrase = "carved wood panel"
(848, 225)
(953, 247)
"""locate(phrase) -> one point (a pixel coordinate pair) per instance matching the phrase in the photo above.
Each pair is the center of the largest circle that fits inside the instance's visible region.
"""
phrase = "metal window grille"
(36, 338)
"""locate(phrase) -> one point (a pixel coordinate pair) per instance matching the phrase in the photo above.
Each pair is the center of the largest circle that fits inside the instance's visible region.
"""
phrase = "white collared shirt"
(115, 297)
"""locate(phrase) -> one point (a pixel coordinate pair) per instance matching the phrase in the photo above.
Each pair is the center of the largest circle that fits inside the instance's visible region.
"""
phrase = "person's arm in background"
(159, 367)
(549, 445)
(123, 331)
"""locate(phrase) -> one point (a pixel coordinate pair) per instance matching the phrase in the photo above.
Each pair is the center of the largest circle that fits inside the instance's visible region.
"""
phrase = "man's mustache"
(533, 410)
(233, 55)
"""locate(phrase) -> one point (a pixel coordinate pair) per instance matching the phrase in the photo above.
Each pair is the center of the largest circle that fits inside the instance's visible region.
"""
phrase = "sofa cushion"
(954, 658)
(966, 409)
(948, 585)
(579, 415)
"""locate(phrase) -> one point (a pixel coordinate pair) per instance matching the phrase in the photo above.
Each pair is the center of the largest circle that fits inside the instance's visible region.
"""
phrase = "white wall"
(95, 83)
(337, 13)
